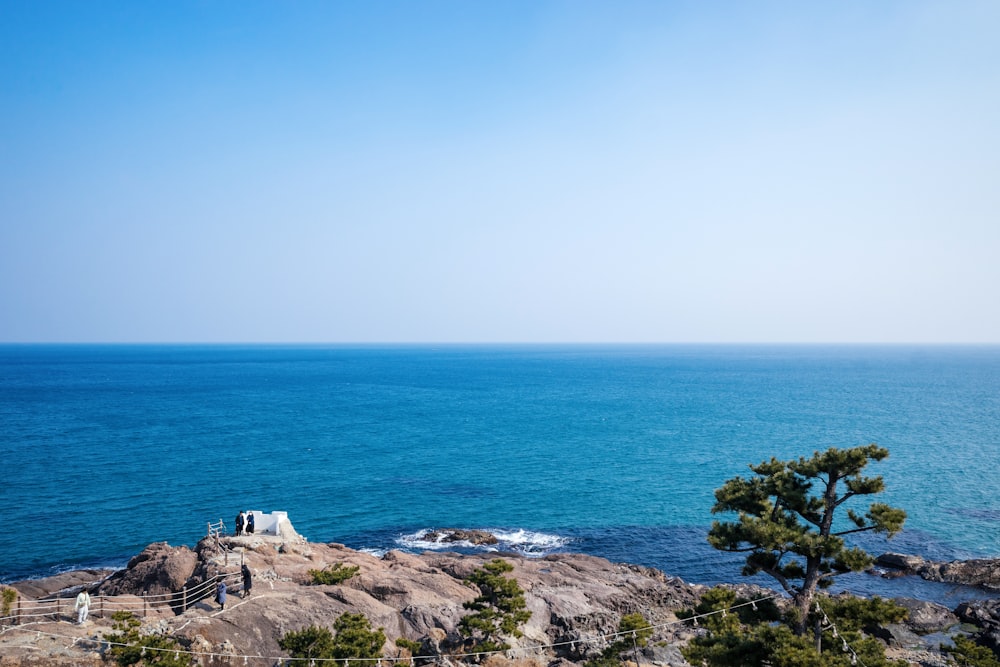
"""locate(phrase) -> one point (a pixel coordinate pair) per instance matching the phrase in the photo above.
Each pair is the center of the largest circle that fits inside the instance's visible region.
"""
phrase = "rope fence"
(28, 611)
(599, 641)
(25, 613)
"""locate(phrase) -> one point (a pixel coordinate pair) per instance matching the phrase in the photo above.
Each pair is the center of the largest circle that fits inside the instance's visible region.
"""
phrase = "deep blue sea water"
(608, 450)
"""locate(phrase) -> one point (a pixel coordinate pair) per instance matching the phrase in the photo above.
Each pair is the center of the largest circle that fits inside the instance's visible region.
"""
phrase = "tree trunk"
(804, 599)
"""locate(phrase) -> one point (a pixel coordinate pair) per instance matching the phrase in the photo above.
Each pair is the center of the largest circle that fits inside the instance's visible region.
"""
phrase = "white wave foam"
(378, 553)
(526, 542)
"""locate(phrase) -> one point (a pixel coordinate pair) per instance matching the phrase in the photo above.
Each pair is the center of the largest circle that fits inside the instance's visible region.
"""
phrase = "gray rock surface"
(927, 617)
(575, 602)
(983, 572)
(985, 615)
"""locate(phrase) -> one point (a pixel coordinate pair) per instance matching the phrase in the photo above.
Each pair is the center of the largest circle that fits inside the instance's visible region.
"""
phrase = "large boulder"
(926, 617)
(985, 614)
(158, 569)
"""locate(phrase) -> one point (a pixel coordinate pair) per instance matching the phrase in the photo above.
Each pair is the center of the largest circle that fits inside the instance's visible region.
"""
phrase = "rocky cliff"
(574, 601)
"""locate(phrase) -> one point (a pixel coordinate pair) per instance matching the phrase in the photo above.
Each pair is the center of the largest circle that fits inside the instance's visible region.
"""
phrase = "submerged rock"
(452, 535)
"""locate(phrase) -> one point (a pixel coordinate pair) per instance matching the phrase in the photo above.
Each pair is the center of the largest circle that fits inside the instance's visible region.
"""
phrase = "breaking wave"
(521, 541)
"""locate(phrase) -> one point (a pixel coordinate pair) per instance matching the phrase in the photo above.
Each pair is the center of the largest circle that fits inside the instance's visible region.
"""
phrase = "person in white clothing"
(82, 606)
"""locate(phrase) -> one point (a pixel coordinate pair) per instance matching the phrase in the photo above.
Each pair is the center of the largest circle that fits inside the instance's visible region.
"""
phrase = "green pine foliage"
(967, 653)
(352, 643)
(758, 634)
(127, 646)
(355, 643)
(633, 630)
(7, 598)
(785, 520)
(337, 573)
(310, 642)
(410, 645)
(498, 611)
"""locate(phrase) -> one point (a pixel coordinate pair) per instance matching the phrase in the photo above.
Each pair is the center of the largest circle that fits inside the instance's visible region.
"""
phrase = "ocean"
(609, 450)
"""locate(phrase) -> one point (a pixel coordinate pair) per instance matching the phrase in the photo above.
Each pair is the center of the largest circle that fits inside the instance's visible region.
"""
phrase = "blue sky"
(499, 171)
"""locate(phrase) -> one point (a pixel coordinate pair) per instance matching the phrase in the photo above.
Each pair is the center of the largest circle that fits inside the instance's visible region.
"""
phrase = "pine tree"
(499, 609)
(788, 531)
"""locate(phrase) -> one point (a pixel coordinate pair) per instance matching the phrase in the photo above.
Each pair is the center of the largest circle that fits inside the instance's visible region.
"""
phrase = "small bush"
(968, 653)
(351, 644)
(337, 573)
(311, 642)
(410, 645)
(9, 596)
(631, 626)
(128, 647)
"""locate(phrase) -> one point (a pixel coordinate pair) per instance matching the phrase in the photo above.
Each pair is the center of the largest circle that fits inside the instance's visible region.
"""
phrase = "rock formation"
(574, 599)
(984, 572)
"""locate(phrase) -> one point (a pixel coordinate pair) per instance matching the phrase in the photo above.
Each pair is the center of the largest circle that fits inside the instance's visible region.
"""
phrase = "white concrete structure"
(268, 523)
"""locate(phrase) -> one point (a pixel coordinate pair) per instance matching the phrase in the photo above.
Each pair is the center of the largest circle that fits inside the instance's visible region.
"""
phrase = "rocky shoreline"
(575, 600)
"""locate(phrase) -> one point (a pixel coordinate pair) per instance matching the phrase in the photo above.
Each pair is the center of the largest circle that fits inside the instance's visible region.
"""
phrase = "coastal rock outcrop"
(985, 614)
(983, 572)
(157, 569)
(926, 617)
(575, 601)
(453, 535)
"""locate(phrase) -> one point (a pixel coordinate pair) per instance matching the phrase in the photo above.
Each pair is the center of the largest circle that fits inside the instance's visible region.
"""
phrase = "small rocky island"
(575, 602)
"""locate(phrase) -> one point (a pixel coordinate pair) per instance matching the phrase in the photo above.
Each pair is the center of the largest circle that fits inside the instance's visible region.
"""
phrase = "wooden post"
(18, 610)
(184, 599)
(102, 607)
(57, 607)
(144, 607)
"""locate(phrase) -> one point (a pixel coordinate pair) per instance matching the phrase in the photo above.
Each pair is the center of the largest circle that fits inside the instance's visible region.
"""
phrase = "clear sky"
(499, 171)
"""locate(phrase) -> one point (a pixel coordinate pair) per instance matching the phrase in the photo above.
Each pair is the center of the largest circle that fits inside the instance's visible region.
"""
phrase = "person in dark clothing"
(247, 580)
(239, 524)
(220, 594)
(249, 523)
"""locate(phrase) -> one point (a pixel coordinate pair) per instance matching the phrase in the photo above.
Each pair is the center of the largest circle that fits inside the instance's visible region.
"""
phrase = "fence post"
(184, 599)
(144, 607)
(18, 610)
(102, 607)
(57, 607)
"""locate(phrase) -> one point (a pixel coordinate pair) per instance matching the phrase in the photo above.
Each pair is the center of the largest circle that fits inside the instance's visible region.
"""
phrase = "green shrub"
(754, 637)
(356, 639)
(410, 645)
(967, 653)
(352, 643)
(337, 573)
(311, 642)
(128, 647)
(9, 595)
(499, 609)
(631, 627)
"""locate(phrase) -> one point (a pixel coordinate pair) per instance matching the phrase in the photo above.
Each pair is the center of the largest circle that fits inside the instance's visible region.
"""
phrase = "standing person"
(247, 580)
(249, 523)
(82, 606)
(220, 593)
(239, 524)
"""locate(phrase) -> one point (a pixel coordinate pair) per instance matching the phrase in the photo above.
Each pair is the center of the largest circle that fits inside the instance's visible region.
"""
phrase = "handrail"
(25, 610)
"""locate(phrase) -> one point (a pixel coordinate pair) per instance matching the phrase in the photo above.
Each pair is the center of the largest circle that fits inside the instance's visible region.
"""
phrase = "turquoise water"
(611, 450)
